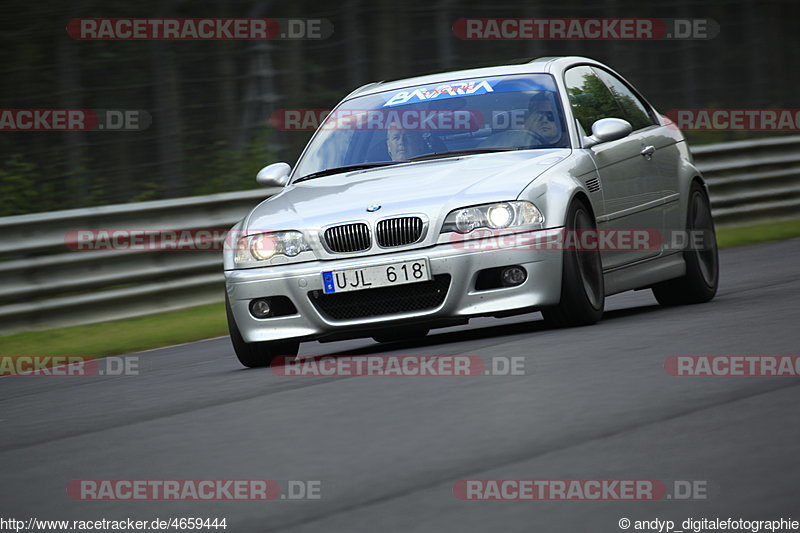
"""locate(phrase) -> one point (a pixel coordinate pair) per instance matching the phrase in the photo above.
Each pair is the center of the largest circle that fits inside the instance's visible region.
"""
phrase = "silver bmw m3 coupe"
(424, 202)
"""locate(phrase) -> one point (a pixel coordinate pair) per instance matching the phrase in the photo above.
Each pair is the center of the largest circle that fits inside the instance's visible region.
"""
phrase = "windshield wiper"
(346, 168)
(437, 155)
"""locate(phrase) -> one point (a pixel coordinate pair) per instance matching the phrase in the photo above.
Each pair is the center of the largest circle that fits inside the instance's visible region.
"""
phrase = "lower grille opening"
(490, 278)
(382, 301)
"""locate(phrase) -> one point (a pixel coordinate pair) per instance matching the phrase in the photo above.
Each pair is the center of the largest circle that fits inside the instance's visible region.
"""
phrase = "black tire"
(256, 354)
(582, 283)
(400, 335)
(699, 284)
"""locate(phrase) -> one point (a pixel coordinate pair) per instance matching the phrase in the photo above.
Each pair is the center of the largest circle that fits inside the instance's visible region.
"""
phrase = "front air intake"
(348, 238)
(399, 231)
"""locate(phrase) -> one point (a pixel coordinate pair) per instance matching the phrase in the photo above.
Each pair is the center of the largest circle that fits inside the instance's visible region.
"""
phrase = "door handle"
(648, 151)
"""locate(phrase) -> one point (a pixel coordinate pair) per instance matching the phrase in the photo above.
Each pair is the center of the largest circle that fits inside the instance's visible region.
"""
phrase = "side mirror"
(274, 175)
(607, 129)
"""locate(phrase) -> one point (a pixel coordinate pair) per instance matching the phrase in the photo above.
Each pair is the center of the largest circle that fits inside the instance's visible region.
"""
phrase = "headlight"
(261, 247)
(467, 219)
(493, 216)
(500, 216)
(265, 246)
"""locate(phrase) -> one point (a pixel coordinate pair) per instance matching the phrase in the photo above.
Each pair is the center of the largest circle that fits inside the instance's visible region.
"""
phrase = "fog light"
(260, 308)
(513, 276)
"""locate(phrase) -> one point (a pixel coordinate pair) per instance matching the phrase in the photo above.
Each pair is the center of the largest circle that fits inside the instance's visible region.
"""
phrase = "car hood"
(433, 187)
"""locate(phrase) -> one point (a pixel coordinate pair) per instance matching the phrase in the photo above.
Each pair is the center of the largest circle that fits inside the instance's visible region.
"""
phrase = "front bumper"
(295, 281)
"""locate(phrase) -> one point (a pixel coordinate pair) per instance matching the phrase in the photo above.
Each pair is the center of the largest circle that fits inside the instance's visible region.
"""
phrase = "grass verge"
(136, 334)
(121, 336)
(770, 231)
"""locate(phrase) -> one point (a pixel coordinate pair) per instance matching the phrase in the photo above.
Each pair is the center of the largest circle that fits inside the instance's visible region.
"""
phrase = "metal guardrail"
(752, 181)
(43, 284)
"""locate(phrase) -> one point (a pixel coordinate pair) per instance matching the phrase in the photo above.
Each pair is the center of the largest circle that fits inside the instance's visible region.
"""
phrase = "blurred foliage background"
(211, 100)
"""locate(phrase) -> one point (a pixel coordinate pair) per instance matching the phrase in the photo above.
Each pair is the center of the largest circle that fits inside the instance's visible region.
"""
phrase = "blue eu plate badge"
(327, 282)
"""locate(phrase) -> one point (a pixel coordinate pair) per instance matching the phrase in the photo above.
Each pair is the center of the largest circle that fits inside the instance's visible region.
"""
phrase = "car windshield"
(428, 121)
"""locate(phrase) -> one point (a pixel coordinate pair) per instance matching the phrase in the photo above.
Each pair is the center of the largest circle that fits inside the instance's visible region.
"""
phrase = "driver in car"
(403, 144)
(541, 127)
(542, 118)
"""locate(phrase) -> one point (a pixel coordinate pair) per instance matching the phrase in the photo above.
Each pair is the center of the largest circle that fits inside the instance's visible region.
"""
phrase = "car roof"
(543, 65)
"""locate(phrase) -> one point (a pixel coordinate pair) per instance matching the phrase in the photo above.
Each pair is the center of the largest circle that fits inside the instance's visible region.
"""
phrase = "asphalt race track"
(594, 403)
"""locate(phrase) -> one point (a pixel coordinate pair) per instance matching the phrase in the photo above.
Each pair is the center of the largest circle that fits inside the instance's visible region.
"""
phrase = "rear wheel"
(256, 354)
(582, 287)
(699, 284)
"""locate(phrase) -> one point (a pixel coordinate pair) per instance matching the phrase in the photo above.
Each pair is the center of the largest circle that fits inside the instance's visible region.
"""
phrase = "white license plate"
(356, 279)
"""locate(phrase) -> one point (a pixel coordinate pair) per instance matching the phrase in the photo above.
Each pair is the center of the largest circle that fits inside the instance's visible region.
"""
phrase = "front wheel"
(582, 284)
(699, 284)
(256, 354)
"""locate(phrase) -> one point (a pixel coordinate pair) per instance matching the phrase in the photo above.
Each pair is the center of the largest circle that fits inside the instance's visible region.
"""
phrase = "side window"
(634, 109)
(589, 97)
